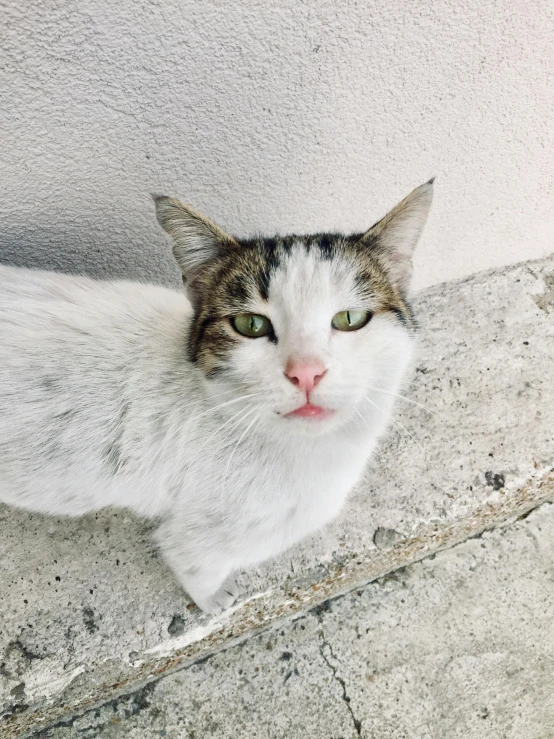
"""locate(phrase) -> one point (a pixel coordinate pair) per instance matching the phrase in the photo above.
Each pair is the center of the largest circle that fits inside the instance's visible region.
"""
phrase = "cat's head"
(307, 329)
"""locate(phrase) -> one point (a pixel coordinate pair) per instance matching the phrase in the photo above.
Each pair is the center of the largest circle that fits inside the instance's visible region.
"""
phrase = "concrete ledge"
(458, 645)
(88, 611)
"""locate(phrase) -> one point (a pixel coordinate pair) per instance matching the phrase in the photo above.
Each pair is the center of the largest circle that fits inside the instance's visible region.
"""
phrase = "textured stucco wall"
(274, 116)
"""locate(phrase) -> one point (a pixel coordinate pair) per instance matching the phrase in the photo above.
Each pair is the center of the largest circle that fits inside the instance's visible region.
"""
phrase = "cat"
(240, 411)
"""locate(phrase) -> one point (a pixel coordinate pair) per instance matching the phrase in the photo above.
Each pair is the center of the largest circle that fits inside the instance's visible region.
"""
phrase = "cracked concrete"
(88, 611)
(325, 646)
(458, 645)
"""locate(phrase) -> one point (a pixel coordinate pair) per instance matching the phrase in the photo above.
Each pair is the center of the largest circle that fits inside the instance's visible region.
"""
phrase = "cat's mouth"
(308, 410)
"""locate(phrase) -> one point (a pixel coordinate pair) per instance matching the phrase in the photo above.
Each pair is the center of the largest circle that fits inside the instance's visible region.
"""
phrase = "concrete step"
(89, 612)
(458, 645)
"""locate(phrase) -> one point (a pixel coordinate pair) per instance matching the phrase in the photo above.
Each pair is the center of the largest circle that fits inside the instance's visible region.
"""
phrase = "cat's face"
(305, 329)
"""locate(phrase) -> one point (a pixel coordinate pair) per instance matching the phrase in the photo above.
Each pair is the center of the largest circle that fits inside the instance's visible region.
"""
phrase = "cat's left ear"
(394, 238)
(196, 240)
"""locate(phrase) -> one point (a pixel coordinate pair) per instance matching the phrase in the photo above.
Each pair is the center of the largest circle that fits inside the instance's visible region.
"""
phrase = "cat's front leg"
(200, 589)
(203, 569)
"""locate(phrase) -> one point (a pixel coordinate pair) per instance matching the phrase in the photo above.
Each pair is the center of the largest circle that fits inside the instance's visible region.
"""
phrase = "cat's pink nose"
(305, 375)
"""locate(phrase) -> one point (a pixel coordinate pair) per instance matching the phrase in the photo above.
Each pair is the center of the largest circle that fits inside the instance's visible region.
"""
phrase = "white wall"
(282, 115)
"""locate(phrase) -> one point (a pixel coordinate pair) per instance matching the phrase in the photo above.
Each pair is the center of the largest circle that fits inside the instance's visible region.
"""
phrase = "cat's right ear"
(394, 238)
(196, 240)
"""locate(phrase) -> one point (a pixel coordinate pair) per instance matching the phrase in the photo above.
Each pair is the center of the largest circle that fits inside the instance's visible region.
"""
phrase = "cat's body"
(110, 395)
(124, 420)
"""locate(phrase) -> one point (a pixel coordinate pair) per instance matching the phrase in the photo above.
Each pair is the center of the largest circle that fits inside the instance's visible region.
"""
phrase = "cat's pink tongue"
(308, 410)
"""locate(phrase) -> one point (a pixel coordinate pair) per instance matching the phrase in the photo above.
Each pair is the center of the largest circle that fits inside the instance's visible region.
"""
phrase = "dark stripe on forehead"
(237, 289)
(326, 246)
(286, 244)
(258, 258)
(272, 258)
(329, 245)
(263, 278)
(325, 243)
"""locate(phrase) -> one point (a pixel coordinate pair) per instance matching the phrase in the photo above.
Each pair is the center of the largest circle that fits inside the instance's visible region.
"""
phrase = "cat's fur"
(125, 394)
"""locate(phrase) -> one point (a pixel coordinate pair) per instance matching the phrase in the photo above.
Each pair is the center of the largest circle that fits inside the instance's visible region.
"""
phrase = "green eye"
(251, 325)
(350, 320)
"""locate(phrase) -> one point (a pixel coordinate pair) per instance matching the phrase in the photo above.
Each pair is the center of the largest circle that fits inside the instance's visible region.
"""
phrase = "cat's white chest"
(298, 491)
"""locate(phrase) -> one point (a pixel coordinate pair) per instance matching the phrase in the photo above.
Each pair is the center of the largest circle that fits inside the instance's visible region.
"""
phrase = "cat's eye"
(252, 325)
(350, 320)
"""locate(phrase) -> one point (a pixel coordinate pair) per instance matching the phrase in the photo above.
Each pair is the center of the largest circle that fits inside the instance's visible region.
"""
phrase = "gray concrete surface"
(459, 645)
(290, 116)
(89, 612)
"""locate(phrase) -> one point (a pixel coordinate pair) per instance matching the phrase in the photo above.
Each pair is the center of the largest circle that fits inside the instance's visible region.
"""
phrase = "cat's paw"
(221, 599)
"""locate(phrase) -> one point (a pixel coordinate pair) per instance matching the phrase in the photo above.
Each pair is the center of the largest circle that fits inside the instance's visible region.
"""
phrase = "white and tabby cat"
(241, 413)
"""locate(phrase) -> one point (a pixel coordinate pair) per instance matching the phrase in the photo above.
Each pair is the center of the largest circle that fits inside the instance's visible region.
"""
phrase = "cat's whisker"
(416, 441)
(364, 386)
(377, 453)
(229, 428)
(222, 405)
(241, 437)
(230, 433)
(224, 392)
(408, 400)
(229, 436)
(238, 386)
(363, 419)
